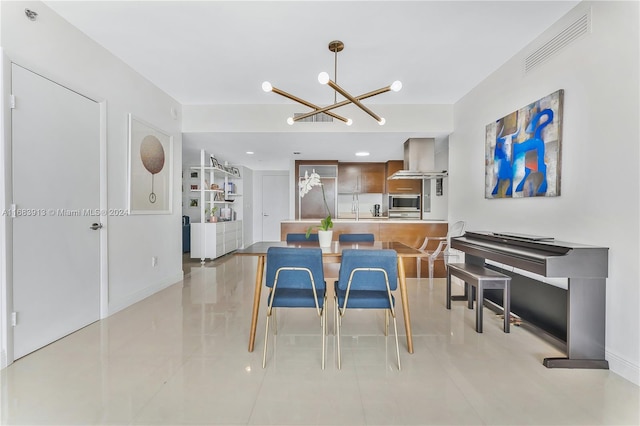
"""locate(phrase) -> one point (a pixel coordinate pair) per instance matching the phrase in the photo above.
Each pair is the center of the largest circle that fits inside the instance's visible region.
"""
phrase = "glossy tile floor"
(180, 357)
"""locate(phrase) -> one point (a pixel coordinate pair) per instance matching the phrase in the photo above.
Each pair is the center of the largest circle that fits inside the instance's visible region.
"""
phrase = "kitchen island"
(409, 232)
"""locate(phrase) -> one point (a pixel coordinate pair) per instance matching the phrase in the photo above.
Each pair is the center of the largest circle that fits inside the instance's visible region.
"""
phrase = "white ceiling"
(220, 52)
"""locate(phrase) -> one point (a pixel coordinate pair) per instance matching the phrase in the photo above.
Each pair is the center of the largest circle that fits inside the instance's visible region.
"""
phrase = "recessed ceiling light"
(250, 152)
(362, 154)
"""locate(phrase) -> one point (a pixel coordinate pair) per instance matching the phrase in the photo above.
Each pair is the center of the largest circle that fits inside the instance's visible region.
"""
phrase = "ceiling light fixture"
(335, 47)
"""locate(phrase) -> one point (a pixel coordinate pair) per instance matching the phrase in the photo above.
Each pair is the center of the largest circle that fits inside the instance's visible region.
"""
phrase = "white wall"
(248, 206)
(600, 196)
(60, 52)
(436, 119)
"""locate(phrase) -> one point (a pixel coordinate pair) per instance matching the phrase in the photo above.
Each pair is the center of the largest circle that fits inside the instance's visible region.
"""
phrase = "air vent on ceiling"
(318, 118)
(577, 28)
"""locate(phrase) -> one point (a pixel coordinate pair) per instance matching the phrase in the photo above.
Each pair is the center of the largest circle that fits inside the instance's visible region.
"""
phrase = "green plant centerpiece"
(305, 185)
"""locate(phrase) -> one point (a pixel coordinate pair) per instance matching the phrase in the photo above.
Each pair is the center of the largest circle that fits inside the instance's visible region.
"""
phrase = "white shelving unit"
(210, 240)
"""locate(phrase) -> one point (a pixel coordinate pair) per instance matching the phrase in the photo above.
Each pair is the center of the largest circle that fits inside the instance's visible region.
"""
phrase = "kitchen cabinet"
(401, 186)
(362, 178)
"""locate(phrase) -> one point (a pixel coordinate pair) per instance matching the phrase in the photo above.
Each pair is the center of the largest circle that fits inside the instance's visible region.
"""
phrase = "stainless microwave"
(404, 203)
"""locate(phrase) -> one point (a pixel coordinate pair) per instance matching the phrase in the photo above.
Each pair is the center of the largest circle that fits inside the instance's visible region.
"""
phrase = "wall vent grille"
(318, 118)
(579, 27)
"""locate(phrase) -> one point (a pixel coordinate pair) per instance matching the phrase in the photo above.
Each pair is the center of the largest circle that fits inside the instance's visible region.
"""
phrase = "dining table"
(331, 254)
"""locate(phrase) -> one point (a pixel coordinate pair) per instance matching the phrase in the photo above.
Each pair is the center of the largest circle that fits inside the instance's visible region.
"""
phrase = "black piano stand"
(601, 364)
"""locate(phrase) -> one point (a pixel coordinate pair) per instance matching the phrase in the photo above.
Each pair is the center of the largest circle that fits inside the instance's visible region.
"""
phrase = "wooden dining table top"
(334, 250)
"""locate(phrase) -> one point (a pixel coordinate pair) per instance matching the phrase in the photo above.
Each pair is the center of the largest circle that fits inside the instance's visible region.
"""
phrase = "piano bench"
(481, 278)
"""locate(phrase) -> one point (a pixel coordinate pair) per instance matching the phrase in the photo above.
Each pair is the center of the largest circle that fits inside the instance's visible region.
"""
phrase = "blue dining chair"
(356, 238)
(301, 237)
(365, 281)
(296, 280)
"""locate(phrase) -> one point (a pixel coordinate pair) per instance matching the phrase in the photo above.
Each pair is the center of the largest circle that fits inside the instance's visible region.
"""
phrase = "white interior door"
(275, 205)
(56, 191)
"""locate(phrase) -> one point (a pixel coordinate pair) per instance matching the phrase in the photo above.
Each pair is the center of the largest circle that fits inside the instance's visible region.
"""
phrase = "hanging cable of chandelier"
(335, 47)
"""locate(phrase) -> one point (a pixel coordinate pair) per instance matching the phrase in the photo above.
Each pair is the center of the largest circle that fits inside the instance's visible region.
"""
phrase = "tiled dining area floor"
(180, 357)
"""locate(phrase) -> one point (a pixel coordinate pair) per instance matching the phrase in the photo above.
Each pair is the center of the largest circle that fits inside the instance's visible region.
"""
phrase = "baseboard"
(144, 293)
(623, 368)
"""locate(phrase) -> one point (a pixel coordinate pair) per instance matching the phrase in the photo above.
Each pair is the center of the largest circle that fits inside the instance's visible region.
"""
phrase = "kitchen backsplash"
(365, 201)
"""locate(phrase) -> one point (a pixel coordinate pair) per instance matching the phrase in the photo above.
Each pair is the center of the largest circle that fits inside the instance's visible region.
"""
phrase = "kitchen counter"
(366, 220)
(409, 232)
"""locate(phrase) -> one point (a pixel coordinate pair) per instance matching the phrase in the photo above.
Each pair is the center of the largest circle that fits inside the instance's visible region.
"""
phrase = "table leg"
(405, 304)
(256, 302)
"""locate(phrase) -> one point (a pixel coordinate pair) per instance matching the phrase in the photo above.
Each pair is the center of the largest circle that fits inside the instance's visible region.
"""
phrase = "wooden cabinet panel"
(364, 178)
(348, 178)
(373, 178)
(401, 186)
(411, 234)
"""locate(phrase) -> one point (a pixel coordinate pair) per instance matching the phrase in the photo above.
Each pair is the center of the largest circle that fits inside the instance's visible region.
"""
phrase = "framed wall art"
(523, 151)
(150, 168)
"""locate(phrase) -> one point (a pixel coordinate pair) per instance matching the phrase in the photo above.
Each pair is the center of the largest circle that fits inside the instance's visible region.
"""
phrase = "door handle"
(95, 226)
(265, 215)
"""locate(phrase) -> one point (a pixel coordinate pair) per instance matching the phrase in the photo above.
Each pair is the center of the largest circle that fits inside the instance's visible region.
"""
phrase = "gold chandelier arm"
(344, 93)
(305, 103)
(320, 110)
(343, 103)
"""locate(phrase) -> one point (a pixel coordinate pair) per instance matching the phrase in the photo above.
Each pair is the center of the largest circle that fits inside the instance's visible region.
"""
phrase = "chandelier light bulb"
(382, 121)
(349, 122)
(323, 78)
(290, 121)
(396, 86)
(267, 87)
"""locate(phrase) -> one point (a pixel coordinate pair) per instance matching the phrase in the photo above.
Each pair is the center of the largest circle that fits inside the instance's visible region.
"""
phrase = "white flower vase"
(324, 238)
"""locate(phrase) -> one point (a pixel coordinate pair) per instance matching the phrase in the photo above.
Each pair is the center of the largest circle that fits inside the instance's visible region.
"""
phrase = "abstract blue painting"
(522, 153)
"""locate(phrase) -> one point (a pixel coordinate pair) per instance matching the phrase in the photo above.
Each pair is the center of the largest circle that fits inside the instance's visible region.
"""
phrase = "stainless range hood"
(419, 160)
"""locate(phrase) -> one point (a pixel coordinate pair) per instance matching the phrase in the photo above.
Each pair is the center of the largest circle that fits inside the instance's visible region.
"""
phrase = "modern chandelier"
(335, 47)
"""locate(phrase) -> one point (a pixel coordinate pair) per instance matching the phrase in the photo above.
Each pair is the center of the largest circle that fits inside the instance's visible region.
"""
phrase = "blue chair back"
(368, 280)
(311, 258)
(301, 237)
(356, 238)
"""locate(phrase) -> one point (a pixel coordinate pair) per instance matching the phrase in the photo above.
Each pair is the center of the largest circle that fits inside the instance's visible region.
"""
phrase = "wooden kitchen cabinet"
(401, 186)
(363, 178)
(411, 233)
